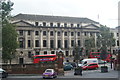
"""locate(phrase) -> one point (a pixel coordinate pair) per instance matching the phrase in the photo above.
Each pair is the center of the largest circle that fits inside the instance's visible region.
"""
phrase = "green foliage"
(89, 43)
(9, 34)
(77, 53)
(6, 9)
(105, 40)
(9, 41)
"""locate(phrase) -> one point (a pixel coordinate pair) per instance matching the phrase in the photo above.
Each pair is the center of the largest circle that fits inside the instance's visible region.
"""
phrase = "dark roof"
(52, 18)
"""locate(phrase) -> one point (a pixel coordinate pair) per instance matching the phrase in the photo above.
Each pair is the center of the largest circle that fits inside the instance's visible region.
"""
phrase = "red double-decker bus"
(97, 55)
(44, 58)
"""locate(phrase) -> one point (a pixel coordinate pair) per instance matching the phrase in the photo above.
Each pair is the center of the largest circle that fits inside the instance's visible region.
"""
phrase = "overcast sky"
(103, 11)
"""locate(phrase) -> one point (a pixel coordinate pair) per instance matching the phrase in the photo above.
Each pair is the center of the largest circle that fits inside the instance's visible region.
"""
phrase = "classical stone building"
(116, 37)
(42, 34)
(119, 35)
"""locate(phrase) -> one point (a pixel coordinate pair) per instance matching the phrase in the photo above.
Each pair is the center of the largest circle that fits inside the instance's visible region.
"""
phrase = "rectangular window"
(65, 34)
(85, 33)
(51, 24)
(36, 43)
(58, 24)
(58, 33)
(37, 53)
(117, 42)
(59, 43)
(44, 33)
(51, 43)
(51, 33)
(117, 34)
(29, 33)
(91, 34)
(21, 32)
(65, 24)
(52, 52)
(44, 43)
(29, 43)
(78, 25)
(44, 23)
(78, 42)
(71, 25)
(29, 54)
(45, 52)
(66, 44)
(21, 44)
(37, 33)
(72, 33)
(36, 23)
(67, 54)
(78, 33)
(72, 43)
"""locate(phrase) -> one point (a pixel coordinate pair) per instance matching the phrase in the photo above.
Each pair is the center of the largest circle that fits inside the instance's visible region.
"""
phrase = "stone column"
(48, 39)
(82, 39)
(55, 42)
(26, 40)
(41, 39)
(62, 39)
(119, 35)
(76, 38)
(69, 37)
(95, 36)
(33, 39)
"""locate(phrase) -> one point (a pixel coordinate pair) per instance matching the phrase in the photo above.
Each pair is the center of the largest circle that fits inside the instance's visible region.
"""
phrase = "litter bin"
(78, 71)
(104, 69)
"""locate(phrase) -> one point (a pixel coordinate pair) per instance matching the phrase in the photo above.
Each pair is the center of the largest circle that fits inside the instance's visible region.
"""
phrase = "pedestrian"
(80, 70)
(115, 64)
(112, 62)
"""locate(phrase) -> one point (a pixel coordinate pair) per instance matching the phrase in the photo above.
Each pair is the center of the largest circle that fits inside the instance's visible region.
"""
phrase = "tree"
(6, 9)
(77, 55)
(105, 40)
(9, 42)
(89, 44)
(9, 34)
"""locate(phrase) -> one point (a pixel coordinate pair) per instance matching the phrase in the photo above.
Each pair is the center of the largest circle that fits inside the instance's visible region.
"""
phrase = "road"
(87, 74)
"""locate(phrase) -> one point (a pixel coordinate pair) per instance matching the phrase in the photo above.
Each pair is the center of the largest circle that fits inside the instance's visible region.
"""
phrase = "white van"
(88, 61)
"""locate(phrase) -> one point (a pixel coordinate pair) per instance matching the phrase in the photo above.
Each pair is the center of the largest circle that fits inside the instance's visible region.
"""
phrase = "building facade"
(40, 34)
(116, 35)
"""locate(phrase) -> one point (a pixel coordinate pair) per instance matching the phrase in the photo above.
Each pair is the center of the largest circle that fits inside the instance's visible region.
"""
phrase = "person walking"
(111, 62)
(80, 70)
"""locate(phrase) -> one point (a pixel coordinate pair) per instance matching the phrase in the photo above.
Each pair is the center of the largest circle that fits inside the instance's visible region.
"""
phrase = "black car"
(73, 64)
(70, 63)
(68, 67)
(3, 73)
(101, 62)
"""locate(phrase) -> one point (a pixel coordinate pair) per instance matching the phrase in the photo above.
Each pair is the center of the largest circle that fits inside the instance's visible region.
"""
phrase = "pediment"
(91, 26)
(22, 23)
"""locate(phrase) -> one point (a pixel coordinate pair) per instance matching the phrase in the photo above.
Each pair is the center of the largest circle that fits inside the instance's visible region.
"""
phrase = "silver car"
(3, 73)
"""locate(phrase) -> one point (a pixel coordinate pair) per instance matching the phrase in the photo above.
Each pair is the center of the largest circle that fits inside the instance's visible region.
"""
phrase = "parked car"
(70, 63)
(3, 73)
(90, 66)
(101, 62)
(73, 64)
(49, 73)
(68, 67)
